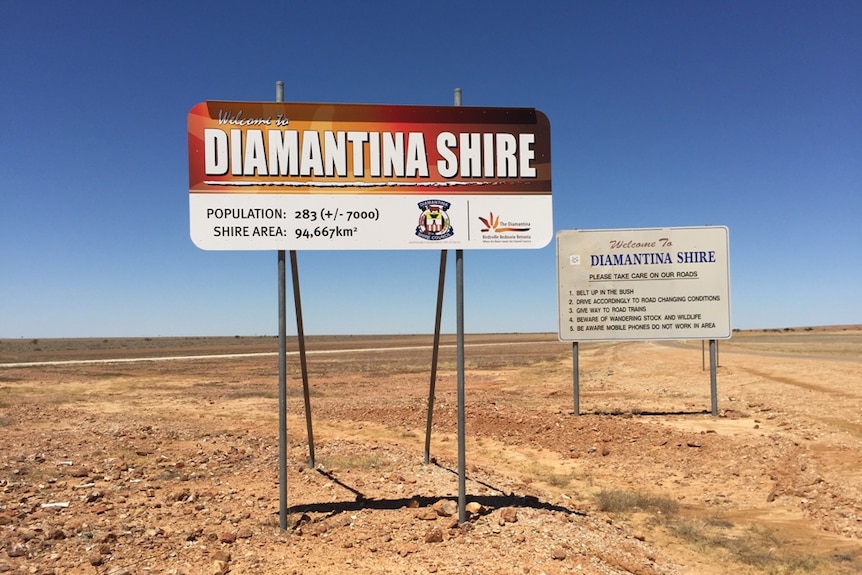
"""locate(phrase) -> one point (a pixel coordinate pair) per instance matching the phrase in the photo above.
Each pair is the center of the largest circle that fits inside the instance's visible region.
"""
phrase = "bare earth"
(172, 466)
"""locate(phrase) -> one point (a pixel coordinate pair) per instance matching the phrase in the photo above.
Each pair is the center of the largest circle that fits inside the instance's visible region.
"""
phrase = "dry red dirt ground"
(172, 466)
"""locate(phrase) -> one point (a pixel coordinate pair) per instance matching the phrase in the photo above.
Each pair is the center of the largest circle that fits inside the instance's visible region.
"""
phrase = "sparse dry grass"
(622, 501)
(338, 462)
(838, 343)
(31, 394)
(755, 547)
(548, 475)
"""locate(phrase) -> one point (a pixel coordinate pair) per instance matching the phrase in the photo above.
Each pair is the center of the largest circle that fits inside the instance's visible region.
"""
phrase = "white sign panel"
(643, 284)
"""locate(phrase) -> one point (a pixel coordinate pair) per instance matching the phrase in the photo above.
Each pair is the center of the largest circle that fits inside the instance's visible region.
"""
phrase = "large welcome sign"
(267, 176)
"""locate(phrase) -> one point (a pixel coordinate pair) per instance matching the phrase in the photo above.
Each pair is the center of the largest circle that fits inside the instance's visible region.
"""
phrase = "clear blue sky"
(666, 113)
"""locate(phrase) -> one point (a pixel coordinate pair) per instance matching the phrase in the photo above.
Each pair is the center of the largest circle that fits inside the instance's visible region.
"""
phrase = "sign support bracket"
(303, 363)
(435, 354)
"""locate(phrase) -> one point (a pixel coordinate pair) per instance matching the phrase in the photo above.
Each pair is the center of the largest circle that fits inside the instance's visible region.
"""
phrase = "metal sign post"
(462, 441)
(576, 379)
(282, 372)
(282, 393)
(459, 344)
(462, 449)
(435, 352)
(282, 364)
(713, 378)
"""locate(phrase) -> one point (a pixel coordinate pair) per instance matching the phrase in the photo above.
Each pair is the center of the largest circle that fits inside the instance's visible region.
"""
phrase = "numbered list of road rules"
(644, 284)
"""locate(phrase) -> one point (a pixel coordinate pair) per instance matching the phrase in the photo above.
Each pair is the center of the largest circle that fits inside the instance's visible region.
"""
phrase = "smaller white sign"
(643, 284)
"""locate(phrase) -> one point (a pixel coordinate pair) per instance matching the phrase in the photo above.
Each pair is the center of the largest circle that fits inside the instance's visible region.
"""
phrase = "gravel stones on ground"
(174, 469)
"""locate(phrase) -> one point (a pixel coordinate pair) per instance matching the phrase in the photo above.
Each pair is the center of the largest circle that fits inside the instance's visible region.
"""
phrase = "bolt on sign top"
(291, 176)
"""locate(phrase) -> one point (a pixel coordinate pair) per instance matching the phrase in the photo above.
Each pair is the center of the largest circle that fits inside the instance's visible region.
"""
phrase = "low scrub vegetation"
(756, 547)
(621, 501)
